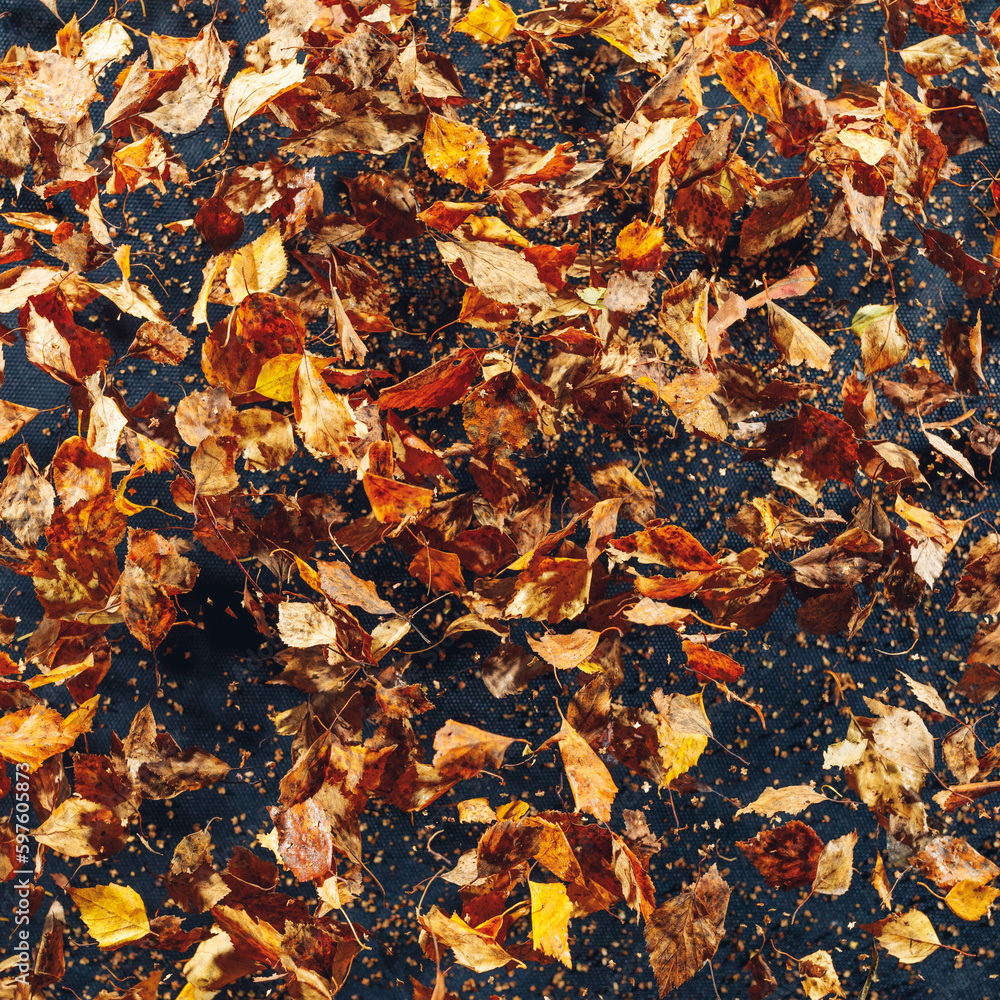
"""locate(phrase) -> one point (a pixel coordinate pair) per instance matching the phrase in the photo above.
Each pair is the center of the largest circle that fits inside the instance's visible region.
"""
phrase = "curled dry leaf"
(474, 949)
(819, 977)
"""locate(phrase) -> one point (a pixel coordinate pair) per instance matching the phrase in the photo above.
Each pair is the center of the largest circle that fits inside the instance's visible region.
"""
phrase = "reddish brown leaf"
(786, 856)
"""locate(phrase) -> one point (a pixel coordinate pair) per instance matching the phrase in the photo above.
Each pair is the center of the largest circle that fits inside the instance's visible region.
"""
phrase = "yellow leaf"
(61, 674)
(513, 810)
(550, 913)
(114, 914)
(32, 735)
(970, 900)
(456, 151)
(473, 949)
(681, 744)
(277, 375)
(491, 22)
(753, 81)
(683, 753)
(259, 266)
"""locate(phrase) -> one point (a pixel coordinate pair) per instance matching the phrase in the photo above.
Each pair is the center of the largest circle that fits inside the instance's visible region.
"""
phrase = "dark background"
(215, 672)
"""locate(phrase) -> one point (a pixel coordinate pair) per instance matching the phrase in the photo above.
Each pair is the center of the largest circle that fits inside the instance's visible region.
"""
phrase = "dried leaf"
(908, 936)
(835, 866)
(686, 931)
(819, 978)
(456, 151)
(792, 799)
(114, 914)
(786, 856)
(550, 912)
(489, 22)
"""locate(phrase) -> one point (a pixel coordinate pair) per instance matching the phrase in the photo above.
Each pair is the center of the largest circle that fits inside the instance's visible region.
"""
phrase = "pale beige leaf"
(819, 977)
(908, 936)
(928, 695)
(249, 90)
(835, 866)
(302, 625)
(796, 341)
(498, 272)
(791, 800)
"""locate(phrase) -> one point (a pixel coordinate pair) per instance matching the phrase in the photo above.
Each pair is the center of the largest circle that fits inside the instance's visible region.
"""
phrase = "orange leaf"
(753, 81)
(392, 501)
(32, 735)
(640, 246)
(707, 664)
(593, 787)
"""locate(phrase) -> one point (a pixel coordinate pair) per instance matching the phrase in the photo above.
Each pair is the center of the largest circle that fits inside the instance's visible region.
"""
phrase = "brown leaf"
(155, 573)
(218, 225)
(962, 346)
(780, 213)
(786, 856)
(884, 342)
(686, 931)
(161, 343)
(978, 590)
(762, 981)
(500, 414)
(158, 766)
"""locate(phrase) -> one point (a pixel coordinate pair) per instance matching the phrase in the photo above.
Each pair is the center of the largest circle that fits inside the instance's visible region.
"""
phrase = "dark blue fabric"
(215, 672)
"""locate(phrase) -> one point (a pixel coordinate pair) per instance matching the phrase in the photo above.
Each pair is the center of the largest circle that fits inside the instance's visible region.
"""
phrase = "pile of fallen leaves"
(564, 330)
